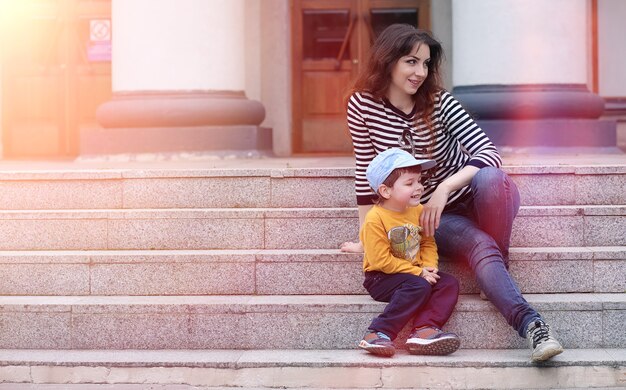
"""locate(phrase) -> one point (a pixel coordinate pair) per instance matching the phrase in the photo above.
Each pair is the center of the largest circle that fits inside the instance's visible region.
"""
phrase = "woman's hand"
(431, 213)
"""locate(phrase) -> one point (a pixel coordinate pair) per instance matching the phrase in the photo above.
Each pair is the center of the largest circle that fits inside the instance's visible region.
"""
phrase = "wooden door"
(331, 39)
(56, 70)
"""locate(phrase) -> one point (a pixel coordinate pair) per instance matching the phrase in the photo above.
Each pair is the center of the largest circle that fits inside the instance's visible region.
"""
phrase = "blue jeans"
(411, 297)
(478, 231)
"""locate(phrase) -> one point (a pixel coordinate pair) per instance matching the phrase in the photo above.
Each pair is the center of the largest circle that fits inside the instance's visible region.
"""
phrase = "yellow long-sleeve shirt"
(379, 255)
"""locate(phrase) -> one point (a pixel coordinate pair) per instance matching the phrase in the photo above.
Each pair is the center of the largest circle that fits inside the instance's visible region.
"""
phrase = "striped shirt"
(376, 125)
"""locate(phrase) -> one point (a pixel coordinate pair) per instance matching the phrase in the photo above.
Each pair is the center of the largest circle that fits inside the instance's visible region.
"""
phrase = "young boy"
(401, 266)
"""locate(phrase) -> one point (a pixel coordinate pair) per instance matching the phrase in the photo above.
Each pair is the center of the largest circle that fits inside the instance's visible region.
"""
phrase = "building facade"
(89, 77)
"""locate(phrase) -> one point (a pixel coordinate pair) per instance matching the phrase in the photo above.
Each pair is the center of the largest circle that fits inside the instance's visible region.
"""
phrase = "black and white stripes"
(376, 125)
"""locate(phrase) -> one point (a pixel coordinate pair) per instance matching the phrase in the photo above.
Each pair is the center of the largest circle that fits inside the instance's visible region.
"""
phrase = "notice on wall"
(99, 46)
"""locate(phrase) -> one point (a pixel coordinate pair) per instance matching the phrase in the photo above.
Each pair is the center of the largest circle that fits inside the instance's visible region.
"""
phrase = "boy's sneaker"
(378, 343)
(543, 345)
(432, 341)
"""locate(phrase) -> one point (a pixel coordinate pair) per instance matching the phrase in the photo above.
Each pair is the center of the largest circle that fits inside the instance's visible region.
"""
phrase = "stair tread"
(350, 303)
(249, 212)
(274, 209)
(302, 167)
(95, 252)
(302, 358)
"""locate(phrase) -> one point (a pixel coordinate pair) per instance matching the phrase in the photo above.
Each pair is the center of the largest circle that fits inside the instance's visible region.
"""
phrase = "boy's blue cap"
(382, 165)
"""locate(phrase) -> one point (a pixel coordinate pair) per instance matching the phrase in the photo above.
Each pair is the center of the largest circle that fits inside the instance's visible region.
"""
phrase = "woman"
(469, 203)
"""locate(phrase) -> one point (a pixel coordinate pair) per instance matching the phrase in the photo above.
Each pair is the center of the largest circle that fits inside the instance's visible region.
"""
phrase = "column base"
(551, 115)
(133, 140)
(178, 121)
(551, 132)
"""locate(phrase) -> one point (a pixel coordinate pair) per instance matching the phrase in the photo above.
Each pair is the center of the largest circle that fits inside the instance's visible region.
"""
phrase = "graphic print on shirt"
(405, 241)
(406, 142)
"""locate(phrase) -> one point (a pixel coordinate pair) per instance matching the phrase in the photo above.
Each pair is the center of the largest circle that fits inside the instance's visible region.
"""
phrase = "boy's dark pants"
(411, 296)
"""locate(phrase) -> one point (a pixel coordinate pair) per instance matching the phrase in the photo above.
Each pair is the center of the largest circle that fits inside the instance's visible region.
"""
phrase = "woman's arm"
(431, 214)
(460, 125)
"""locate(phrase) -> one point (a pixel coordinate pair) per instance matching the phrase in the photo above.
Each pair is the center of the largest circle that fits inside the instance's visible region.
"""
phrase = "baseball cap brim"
(384, 163)
(424, 164)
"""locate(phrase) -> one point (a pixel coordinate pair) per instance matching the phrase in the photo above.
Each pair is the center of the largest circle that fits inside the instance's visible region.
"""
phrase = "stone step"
(590, 320)
(266, 228)
(272, 187)
(280, 272)
(125, 386)
(310, 369)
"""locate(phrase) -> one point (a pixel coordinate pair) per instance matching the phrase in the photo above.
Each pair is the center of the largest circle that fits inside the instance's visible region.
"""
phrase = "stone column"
(521, 67)
(612, 62)
(178, 81)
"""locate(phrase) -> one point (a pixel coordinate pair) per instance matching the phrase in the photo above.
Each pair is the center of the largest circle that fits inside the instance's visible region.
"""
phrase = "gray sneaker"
(429, 340)
(377, 343)
(541, 341)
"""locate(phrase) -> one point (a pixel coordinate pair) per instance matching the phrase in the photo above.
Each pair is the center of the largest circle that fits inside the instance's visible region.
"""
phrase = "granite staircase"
(231, 278)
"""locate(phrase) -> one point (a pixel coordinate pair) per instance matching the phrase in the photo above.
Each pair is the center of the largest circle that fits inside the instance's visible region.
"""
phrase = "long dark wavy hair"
(396, 41)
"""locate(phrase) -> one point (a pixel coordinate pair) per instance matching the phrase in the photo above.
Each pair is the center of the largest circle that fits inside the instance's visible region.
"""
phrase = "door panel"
(50, 88)
(32, 77)
(320, 98)
(324, 63)
(331, 39)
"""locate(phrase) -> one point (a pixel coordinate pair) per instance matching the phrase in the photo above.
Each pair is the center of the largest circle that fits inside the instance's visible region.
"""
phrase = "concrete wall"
(545, 42)
(147, 33)
(1, 105)
(441, 21)
(276, 72)
(3, 6)
(612, 48)
(252, 31)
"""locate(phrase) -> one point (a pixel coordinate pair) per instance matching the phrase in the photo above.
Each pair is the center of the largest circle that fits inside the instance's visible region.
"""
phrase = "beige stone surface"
(548, 231)
(194, 233)
(173, 279)
(59, 234)
(44, 279)
(315, 369)
(609, 276)
(313, 192)
(601, 189)
(279, 271)
(605, 230)
(101, 193)
(48, 374)
(14, 373)
(186, 192)
(129, 331)
(268, 322)
(304, 278)
(32, 330)
(392, 377)
(511, 378)
(306, 233)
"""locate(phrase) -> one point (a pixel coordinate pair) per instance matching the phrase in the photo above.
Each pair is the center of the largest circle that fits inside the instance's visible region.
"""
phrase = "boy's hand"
(430, 274)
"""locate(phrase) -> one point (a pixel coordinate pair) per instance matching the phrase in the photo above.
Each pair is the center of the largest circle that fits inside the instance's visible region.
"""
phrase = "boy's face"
(405, 192)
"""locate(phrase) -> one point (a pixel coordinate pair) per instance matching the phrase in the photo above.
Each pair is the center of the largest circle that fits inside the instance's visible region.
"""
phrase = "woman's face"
(410, 71)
